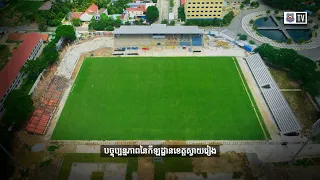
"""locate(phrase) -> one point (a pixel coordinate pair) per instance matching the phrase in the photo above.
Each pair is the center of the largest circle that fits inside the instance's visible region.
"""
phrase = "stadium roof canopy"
(158, 29)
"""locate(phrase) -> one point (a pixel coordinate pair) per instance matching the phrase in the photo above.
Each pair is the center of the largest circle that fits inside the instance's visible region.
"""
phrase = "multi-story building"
(10, 75)
(203, 9)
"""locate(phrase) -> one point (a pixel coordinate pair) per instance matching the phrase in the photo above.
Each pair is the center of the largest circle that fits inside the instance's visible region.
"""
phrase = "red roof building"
(182, 2)
(16, 36)
(136, 9)
(75, 15)
(19, 57)
(93, 9)
(21, 36)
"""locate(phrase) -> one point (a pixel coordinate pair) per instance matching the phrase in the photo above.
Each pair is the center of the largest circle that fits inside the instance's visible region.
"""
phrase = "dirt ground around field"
(103, 52)
(226, 163)
(145, 168)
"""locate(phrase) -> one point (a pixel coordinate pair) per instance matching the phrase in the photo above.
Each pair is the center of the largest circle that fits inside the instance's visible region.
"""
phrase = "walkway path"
(248, 29)
(290, 90)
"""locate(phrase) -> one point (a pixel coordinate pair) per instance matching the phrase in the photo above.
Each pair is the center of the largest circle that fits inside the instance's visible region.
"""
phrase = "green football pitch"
(160, 98)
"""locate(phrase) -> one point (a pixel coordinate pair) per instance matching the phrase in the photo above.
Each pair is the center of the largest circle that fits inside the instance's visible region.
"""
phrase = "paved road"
(163, 7)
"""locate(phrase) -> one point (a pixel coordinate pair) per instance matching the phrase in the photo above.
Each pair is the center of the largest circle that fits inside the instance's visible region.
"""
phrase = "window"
(192, 15)
(216, 2)
(207, 3)
(193, 3)
(197, 15)
(205, 15)
(205, 11)
(211, 6)
(189, 2)
(216, 7)
(207, 6)
(202, 3)
(198, 3)
(220, 2)
(218, 14)
(220, 6)
(192, 11)
(188, 11)
(197, 11)
(211, 2)
(201, 11)
(219, 11)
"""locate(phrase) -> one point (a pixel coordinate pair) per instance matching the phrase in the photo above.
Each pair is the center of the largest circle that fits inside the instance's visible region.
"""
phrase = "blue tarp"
(247, 48)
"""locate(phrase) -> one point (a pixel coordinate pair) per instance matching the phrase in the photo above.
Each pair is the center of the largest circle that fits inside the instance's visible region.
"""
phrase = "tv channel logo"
(295, 17)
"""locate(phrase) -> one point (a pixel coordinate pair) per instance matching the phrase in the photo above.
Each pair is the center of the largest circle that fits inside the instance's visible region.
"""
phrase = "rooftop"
(75, 15)
(86, 17)
(92, 9)
(158, 29)
(19, 57)
(21, 36)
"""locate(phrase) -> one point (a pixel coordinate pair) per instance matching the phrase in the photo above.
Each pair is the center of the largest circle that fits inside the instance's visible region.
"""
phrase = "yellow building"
(203, 9)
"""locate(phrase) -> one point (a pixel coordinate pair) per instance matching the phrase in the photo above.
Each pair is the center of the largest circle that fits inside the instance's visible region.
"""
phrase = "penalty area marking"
(251, 101)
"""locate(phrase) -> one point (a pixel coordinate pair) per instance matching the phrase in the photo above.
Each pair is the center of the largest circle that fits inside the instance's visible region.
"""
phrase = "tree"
(181, 14)
(136, 22)
(65, 31)
(301, 41)
(289, 41)
(152, 14)
(172, 23)
(109, 28)
(117, 23)
(252, 42)
(216, 22)
(243, 37)
(76, 22)
(316, 26)
(50, 54)
(164, 21)
(34, 68)
(154, 1)
(246, 2)
(276, 12)
(251, 21)
(268, 12)
(19, 106)
(254, 27)
(228, 18)
(241, 6)
(171, 3)
(42, 27)
(127, 23)
(265, 18)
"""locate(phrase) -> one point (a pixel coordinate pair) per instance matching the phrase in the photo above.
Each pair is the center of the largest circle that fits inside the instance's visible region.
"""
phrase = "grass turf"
(150, 98)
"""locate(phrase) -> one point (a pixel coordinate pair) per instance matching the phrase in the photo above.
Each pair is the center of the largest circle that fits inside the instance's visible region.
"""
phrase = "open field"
(156, 98)
(17, 12)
